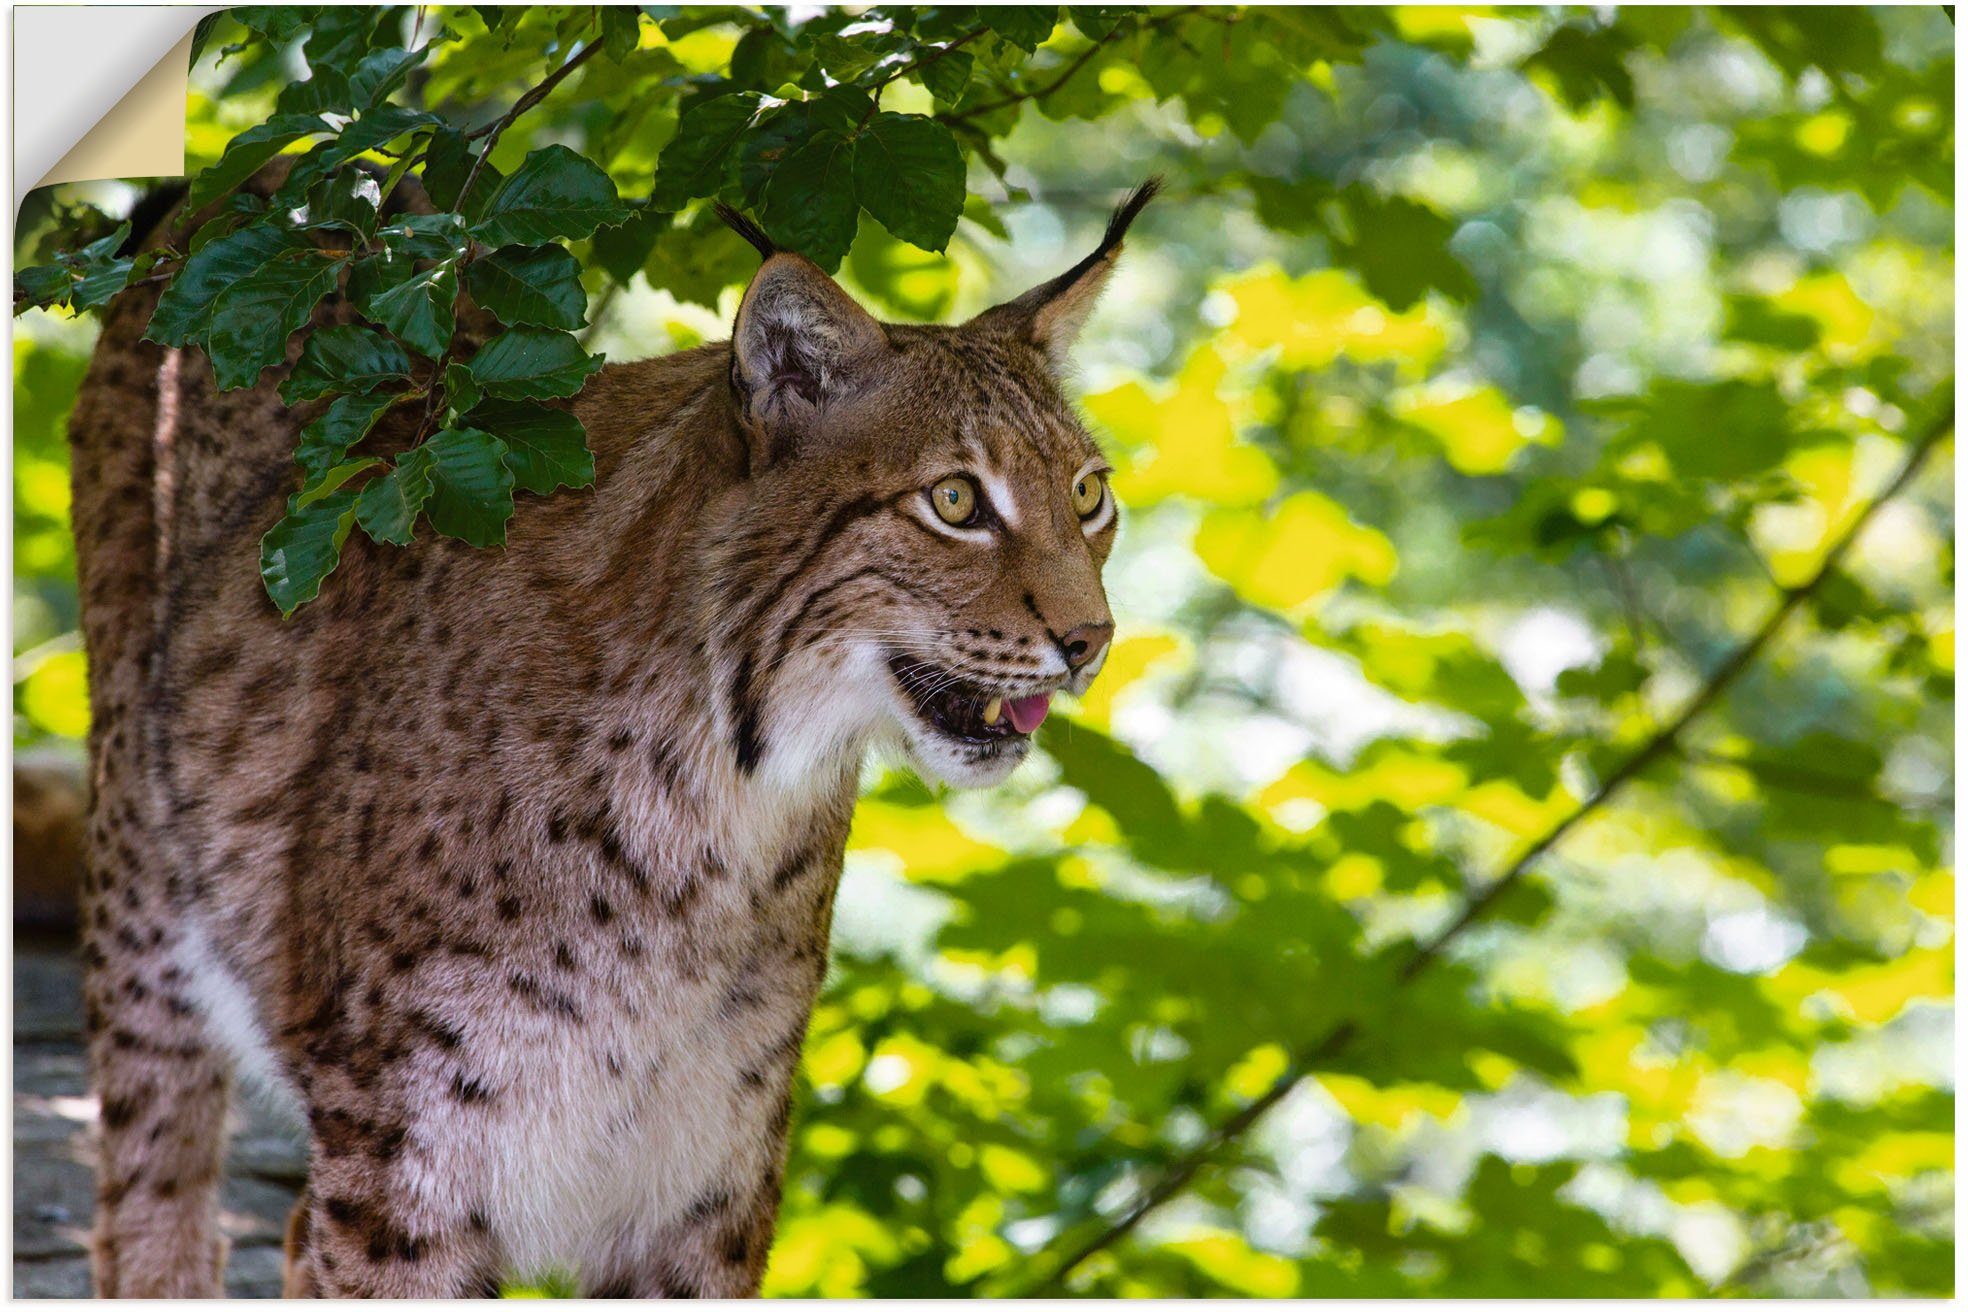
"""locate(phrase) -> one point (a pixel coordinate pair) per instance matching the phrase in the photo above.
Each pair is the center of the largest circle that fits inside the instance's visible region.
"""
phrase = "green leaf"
(621, 30)
(471, 489)
(346, 200)
(447, 163)
(622, 250)
(279, 24)
(327, 441)
(424, 236)
(909, 174)
(1096, 21)
(1755, 319)
(388, 508)
(1025, 26)
(1724, 430)
(345, 358)
(381, 72)
(545, 448)
(461, 390)
(419, 309)
(784, 130)
(246, 152)
(809, 204)
(43, 284)
(948, 75)
(1401, 248)
(525, 363)
(333, 479)
(554, 193)
(693, 164)
(538, 285)
(1587, 64)
(252, 319)
(184, 312)
(304, 547)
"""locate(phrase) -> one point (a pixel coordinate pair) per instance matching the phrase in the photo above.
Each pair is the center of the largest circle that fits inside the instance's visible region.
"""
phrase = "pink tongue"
(1028, 713)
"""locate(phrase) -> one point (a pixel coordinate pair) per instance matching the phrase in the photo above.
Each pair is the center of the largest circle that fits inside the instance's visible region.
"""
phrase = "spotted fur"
(514, 868)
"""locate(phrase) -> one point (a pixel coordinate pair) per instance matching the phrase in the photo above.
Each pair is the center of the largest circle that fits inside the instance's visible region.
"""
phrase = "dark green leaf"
(809, 203)
(447, 162)
(538, 285)
(622, 250)
(246, 152)
(252, 319)
(304, 547)
(345, 358)
(424, 237)
(910, 175)
(327, 441)
(277, 23)
(947, 76)
(388, 508)
(348, 201)
(419, 309)
(693, 164)
(1025, 26)
(621, 30)
(784, 130)
(527, 363)
(461, 390)
(1587, 64)
(555, 193)
(184, 312)
(1401, 248)
(471, 495)
(380, 73)
(545, 448)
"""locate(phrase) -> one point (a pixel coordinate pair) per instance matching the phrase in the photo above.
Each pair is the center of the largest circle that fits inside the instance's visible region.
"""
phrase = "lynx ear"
(799, 346)
(1052, 314)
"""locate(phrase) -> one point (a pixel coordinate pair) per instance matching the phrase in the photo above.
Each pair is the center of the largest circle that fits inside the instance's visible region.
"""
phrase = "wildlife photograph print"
(1210, 651)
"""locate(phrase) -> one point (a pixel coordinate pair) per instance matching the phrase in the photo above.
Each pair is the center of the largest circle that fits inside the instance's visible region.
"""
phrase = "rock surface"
(54, 1147)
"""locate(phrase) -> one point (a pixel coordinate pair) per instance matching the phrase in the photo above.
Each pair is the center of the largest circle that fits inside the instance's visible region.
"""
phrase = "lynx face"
(977, 584)
(961, 516)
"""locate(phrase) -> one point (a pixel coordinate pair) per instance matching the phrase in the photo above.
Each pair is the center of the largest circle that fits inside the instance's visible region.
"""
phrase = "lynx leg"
(367, 1237)
(718, 1250)
(163, 1090)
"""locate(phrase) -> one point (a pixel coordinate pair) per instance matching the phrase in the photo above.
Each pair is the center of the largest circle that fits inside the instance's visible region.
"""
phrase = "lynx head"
(924, 524)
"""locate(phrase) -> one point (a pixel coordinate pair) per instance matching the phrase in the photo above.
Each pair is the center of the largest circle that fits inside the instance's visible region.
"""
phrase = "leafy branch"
(1664, 741)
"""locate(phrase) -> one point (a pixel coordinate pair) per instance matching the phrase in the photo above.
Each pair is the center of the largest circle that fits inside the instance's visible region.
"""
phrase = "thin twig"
(916, 66)
(1176, 1178)
(1067, 75)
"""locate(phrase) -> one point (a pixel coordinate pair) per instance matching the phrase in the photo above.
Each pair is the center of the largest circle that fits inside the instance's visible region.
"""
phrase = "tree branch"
(1176, 1178)
(1040, 93)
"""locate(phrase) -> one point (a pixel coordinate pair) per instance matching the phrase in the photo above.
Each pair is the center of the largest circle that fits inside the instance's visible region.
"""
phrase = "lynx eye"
(955, 499)
(1089, 490)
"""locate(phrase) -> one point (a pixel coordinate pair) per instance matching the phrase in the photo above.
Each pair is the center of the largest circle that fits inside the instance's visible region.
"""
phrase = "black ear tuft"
(1127, 212)
(1051, 314)
(745, 228)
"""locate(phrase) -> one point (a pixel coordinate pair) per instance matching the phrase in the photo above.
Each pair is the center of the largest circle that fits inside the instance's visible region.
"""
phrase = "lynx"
(514, 868)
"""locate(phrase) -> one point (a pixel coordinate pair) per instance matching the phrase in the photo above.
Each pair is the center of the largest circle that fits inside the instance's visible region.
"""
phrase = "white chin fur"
(940, 760)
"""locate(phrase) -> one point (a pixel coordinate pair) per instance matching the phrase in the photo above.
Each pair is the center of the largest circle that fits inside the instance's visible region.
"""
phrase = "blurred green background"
(1477, 388)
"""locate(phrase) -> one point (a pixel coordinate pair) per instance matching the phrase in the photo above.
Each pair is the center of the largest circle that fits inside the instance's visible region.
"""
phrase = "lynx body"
(514, 867)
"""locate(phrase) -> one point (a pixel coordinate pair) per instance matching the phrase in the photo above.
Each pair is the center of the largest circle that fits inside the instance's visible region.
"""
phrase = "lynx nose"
(1082, 645)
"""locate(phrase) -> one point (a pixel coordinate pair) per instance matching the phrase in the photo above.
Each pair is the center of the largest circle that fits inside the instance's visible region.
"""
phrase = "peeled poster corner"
(99, 92)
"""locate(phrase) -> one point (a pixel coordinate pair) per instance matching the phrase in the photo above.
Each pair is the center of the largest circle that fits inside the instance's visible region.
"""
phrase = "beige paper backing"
(143, 136)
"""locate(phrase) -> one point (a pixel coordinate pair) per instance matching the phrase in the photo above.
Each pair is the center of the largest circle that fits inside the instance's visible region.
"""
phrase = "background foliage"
(1509, 851)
